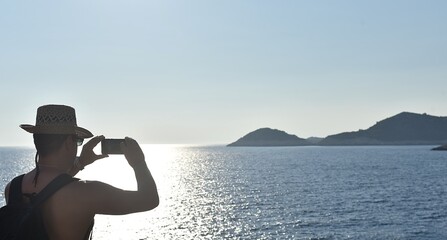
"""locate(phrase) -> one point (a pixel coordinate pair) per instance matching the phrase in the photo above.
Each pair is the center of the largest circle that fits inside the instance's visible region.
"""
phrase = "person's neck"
(50, 166)
(54, 162)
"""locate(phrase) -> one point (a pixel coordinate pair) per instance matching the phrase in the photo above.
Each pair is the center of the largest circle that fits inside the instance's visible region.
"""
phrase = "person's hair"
(45, 145)
(48, 143)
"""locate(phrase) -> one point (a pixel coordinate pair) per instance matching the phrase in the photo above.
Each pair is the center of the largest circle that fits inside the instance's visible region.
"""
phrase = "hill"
(269, 137)
(402, 129)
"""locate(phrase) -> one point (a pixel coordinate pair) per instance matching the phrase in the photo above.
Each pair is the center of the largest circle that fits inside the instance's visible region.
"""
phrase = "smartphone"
(111, 146)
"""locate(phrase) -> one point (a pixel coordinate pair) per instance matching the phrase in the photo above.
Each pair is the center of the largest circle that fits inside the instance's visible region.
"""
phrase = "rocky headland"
(441, 148)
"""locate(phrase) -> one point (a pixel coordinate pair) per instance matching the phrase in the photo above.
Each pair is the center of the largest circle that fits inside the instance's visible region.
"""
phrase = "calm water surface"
(275, 193)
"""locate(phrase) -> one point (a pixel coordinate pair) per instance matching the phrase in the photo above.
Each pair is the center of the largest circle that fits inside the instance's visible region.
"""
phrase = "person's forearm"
(146, 186)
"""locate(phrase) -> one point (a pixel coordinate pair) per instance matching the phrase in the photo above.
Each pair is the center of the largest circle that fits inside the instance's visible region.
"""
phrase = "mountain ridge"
(405, 128)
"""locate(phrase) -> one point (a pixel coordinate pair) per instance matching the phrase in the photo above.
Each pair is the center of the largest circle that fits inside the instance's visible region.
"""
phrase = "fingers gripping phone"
(111, 146)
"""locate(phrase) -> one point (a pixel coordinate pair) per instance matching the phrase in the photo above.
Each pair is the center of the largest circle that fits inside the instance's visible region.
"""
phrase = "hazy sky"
(207, 72)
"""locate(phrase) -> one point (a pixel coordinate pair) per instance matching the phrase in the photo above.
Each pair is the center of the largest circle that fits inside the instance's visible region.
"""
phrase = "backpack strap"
(15, 190)
(51, 188)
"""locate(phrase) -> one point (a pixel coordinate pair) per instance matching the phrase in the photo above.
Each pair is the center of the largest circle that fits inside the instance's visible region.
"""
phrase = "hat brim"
(78, 131)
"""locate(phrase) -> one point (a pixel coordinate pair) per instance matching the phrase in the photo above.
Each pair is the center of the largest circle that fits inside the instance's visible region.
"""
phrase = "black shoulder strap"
(51, 188)
(15, 190)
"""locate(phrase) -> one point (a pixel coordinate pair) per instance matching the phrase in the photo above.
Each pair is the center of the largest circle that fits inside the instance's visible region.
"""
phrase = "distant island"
(269, 137)
(441, 148)
(402, 129)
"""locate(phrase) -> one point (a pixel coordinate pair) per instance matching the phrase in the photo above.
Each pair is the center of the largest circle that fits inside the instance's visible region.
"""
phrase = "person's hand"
(132, 152)
(87, 155)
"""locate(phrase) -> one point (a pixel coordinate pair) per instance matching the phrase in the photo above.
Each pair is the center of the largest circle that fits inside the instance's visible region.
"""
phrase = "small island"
(269, 137)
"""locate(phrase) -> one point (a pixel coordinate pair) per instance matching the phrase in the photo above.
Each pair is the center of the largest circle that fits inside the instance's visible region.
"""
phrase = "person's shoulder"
(84, 185)
(87, 187)
(89, 195)
(79, 192)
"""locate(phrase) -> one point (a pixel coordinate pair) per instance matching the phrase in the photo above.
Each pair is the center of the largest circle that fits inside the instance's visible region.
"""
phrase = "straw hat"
(56, 119)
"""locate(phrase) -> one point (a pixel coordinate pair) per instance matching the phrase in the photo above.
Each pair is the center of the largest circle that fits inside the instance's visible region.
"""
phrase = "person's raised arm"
(147, 188)
(101, 198)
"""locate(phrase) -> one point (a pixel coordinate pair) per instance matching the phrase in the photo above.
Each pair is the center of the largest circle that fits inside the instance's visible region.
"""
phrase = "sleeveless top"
(16, 188)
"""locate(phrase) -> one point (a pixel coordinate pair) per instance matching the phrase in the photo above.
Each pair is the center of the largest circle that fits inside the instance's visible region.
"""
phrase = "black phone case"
(111, 146)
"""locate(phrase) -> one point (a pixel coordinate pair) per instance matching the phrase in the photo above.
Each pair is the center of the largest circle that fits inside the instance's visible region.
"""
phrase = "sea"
(218, 192)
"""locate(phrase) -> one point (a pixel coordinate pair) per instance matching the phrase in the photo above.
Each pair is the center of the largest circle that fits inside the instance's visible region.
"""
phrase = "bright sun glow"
(115, 170)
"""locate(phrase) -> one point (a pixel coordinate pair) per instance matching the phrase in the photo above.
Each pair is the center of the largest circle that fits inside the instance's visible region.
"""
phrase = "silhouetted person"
(69, 213)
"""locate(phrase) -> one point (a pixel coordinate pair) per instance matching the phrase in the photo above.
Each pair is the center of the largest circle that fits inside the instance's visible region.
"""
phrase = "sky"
(209, 72)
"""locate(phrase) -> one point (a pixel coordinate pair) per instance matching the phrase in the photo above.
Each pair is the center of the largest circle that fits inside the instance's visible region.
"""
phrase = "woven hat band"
(56, 119)
(56, 115)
